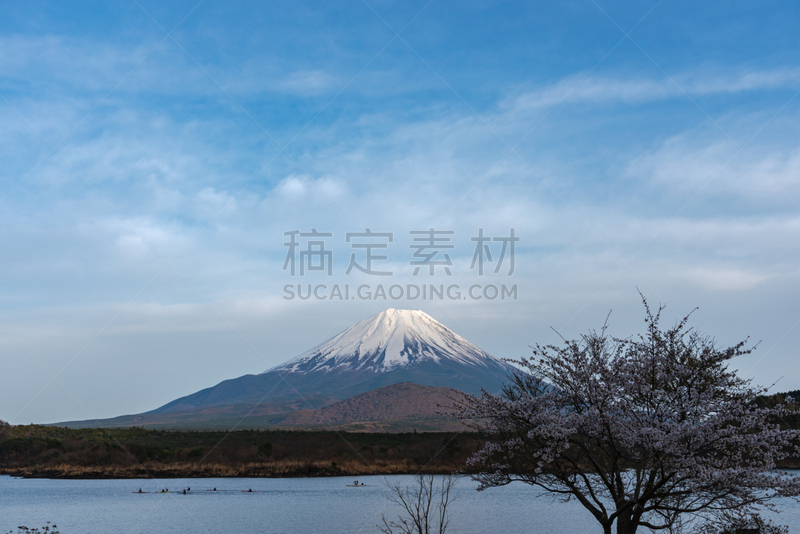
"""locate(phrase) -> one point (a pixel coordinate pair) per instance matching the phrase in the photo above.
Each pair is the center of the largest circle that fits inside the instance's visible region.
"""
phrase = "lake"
(295, 505)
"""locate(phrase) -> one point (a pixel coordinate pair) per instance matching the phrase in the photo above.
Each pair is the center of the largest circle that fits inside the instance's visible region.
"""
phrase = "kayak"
(356, 485)
(253, 491)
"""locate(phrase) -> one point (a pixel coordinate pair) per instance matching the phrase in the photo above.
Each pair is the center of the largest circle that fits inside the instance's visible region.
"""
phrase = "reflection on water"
(302, 505)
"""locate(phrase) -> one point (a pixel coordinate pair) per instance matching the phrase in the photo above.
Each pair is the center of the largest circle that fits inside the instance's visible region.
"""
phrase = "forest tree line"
(45, 451)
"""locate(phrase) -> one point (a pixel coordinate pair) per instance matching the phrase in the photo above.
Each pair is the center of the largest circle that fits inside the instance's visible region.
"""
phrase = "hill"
(404, 405)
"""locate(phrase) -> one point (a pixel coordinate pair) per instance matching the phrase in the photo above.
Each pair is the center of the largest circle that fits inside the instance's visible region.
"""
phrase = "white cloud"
(598, 89)
(294, 186)
(724, 279)
(691, 161)
(308, 82)
(82, 63)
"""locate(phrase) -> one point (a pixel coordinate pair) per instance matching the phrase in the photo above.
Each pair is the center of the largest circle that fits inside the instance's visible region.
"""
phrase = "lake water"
(295, 505)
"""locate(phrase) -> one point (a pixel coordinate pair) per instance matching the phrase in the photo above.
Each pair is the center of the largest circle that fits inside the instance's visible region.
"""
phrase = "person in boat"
(215, 489)
(188, 489)
(184, 492)
(140, 490)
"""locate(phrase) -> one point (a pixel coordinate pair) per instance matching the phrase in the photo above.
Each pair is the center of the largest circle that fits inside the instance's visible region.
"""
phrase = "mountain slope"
(391, 347)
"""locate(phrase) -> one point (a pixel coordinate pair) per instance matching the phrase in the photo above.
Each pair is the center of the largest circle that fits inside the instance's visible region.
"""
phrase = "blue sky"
(152, 154)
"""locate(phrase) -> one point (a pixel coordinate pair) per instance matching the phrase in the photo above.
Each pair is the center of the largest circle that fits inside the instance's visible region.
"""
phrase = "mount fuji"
(390, 348)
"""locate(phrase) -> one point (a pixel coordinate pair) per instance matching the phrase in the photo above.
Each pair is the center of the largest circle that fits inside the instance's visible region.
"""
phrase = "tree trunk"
(626, 524)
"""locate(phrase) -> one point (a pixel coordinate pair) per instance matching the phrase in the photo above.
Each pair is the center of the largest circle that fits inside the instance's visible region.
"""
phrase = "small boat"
(142, 492)
(356, 485)
(250, 491)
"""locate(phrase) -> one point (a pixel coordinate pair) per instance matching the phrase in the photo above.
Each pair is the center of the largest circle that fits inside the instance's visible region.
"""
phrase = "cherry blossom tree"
(643, 432)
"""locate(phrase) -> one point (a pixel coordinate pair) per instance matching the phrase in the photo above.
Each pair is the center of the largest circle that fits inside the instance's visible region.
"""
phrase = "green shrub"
(265, 449)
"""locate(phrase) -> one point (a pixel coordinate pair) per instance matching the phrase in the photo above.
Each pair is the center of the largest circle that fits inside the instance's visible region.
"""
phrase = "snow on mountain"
(390, 340)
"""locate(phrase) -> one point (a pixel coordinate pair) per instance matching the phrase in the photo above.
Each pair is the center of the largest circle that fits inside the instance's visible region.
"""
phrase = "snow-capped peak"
(388, 340)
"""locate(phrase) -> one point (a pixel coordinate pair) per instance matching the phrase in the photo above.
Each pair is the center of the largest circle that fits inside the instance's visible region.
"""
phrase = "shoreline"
(309, 470)
(305, 471)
